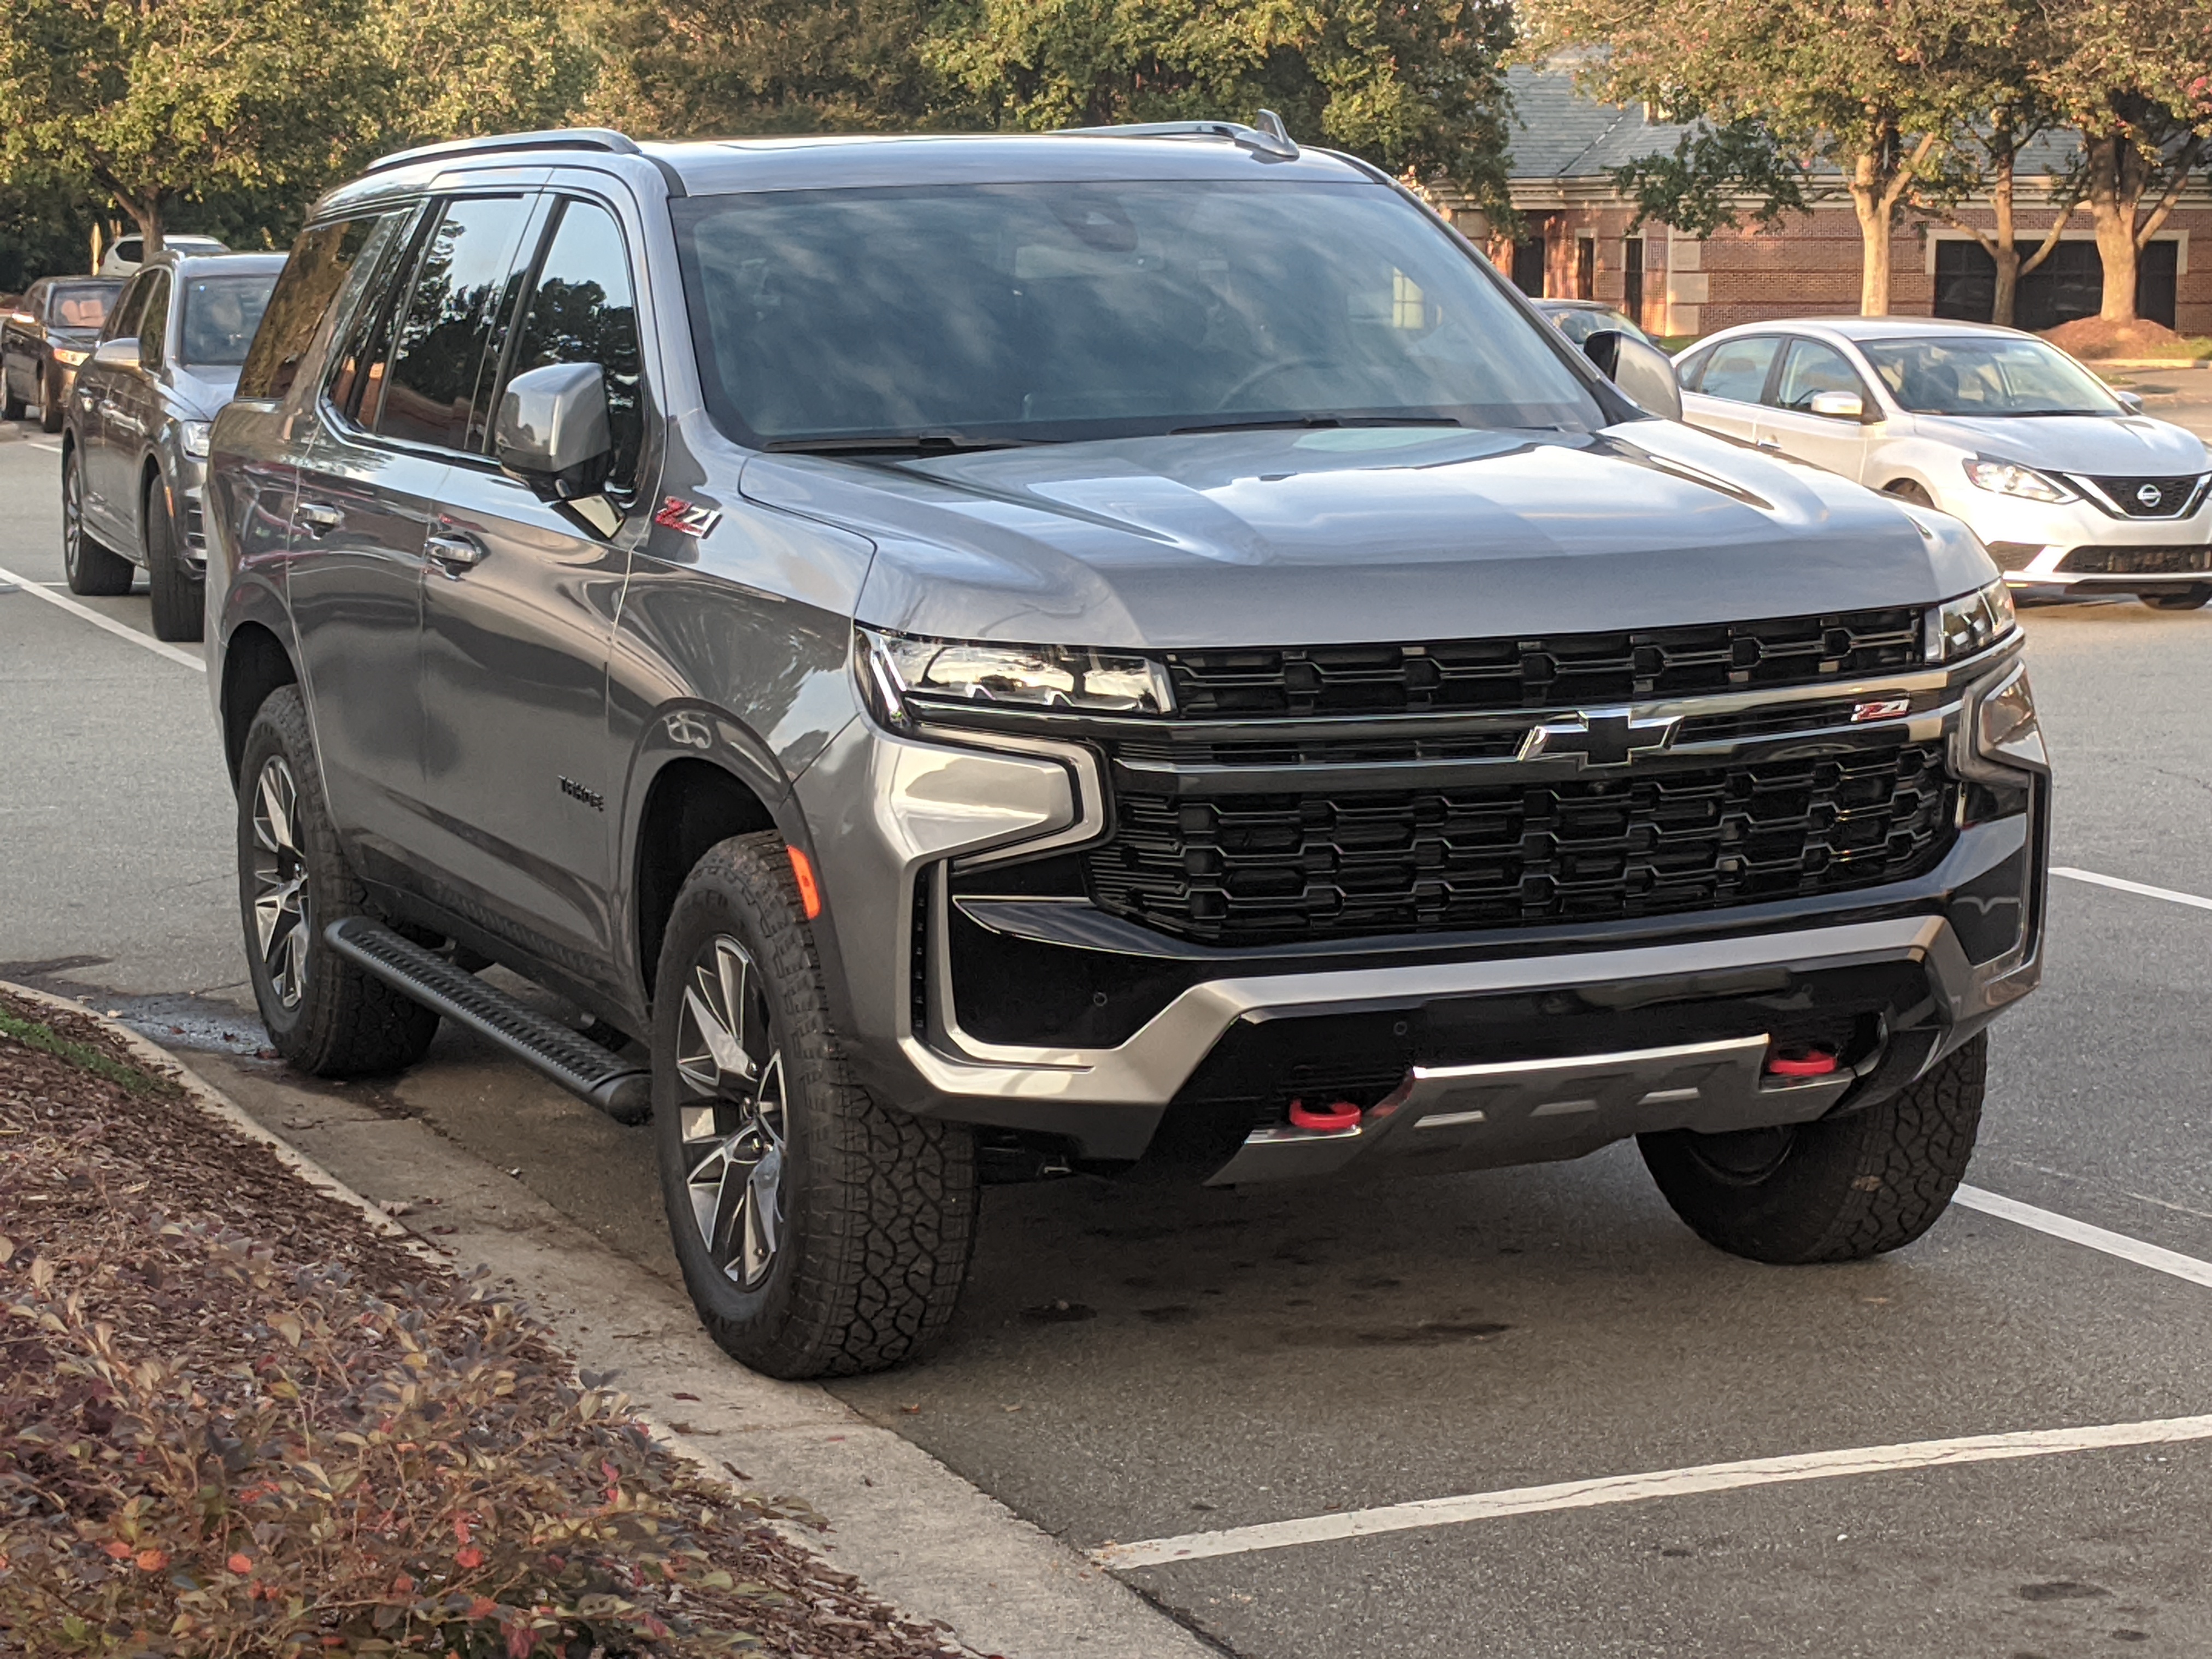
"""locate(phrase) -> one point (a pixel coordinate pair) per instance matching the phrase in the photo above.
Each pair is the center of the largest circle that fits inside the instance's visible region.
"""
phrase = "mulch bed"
(237, 1419)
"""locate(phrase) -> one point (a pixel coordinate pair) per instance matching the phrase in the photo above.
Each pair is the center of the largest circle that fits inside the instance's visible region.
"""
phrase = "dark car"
(1010, 655)
(46, 339)
(135, 445)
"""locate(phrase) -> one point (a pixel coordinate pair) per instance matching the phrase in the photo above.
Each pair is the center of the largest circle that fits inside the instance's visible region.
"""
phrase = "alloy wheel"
(732, 1099)
(72, 514)
(282, 922)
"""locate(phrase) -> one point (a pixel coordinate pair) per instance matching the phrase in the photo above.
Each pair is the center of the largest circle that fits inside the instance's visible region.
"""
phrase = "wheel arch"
(688, 804)
(254, 664)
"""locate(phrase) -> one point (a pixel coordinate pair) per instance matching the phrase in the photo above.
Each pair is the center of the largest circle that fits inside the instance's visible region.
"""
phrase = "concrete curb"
(917, 1534)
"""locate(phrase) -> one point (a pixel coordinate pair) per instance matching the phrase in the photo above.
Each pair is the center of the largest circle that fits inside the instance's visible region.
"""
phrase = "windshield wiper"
(1265, 423)
(922, 443)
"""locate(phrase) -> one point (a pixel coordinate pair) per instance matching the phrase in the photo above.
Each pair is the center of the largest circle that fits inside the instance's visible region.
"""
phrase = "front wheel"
(12, 408)
(1906, 490)
(2187, 598)
(178, 592)
(820, 1233)
(92, 569)
(1838, 1190)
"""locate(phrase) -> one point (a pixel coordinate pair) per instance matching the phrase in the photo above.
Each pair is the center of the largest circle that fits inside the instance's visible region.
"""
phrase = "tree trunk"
(1873, 205)
(2115, 181)
(2004, 302)
(146, 213)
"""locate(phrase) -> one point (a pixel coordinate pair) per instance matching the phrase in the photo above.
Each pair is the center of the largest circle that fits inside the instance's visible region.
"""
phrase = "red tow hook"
(1801, 1060)
(1338, 1115)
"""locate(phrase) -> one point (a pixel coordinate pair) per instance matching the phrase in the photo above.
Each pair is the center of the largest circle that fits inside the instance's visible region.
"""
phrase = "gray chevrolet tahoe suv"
(983, 657)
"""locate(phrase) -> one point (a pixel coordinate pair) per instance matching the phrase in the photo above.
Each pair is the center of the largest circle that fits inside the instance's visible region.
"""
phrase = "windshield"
(1054, 311)
(81, 305)
(221, 313)
(1976, 374)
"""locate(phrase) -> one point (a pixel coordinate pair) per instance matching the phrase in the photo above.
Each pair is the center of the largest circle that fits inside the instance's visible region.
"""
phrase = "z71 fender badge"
(690, 517)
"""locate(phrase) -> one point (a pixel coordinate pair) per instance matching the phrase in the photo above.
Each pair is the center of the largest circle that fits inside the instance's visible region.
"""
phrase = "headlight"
(66, 355)
(2010, 478)
(1960, 627)
(193, 436)
(907, 675)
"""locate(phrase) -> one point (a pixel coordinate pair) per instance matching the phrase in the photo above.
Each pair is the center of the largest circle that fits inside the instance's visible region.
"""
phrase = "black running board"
(624, 1091)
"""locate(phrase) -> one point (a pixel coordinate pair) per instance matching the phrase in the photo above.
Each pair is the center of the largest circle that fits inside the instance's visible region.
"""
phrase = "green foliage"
(1416, 88)
(36, 1033)
(1702, 187)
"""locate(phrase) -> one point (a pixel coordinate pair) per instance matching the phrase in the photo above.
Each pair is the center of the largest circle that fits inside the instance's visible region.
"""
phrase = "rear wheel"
(2187, 598)
(1838, 1190)
(177, 591)
(323, 1014)
(50, 404)
(92, 569)
(820, 1233)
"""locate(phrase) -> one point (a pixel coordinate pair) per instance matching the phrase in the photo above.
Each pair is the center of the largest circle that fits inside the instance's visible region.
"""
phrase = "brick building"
(1577, 244)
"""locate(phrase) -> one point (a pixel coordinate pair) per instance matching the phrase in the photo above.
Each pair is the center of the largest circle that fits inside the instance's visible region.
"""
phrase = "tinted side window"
(429, 393)
(583, 310)
(1737, 368)
(312, 281)
(154, 320)
(1812, 367)
(122, 321)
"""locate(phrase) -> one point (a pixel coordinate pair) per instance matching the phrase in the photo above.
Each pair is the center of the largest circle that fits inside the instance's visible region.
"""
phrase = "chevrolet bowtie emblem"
(1601, 737)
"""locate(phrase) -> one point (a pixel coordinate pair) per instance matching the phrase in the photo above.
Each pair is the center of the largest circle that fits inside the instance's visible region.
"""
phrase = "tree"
(1416, 87)
(466, 67)
(165, 99)
(699, 68)
(1866, 91)
(2134, 78)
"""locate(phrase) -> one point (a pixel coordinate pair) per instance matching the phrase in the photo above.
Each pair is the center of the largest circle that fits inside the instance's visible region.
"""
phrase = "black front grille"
(1559, 669)
(2192, 559)
(2154, 498)
(1244, 870)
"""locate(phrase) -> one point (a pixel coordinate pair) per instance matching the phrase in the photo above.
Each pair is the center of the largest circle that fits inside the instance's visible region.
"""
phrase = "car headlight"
(1960, 627)
(192, 436)
(66, 355)
(909, 676)
(2010, 478)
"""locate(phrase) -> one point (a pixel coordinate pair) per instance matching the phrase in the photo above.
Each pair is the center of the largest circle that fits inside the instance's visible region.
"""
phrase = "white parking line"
(159, 647)
(1664, 1483)
(2080, 1232)
(2122, 886)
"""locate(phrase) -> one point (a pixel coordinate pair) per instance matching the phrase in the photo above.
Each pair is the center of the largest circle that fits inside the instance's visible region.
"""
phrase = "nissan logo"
(2150, 494)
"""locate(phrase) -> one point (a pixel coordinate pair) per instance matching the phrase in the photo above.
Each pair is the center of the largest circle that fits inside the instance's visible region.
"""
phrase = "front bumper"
(1889, 977)
(2075, 546)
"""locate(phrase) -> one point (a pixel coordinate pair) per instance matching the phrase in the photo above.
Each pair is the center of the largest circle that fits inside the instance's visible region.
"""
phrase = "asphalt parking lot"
(1232, 1397)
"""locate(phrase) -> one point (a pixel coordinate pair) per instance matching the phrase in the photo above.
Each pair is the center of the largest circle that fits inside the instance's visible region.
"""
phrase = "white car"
(2068, 483)
(127, 254)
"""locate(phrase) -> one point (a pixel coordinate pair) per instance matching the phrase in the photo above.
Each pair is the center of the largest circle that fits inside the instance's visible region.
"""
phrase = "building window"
(1586, 268)
(1631, 279)
(1529, 266)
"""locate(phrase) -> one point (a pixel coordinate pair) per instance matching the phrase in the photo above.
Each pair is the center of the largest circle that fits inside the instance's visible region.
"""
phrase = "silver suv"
(990, 658)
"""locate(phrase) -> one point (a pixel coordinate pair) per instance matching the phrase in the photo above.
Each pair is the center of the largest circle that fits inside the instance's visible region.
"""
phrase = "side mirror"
(1643, 372)
(1838, 405)
(116, 354)
(552, 431)
(2130, 401)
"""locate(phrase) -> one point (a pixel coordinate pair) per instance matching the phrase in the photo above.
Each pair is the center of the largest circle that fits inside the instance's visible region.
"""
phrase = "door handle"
(456, 552)
(316, 518)
(1770, 443)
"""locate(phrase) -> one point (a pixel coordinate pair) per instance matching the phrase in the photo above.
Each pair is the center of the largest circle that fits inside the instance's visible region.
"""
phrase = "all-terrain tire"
(92, 568)
(1838, 1190)
(50, 404)
(342, 1022)
(878, 1207)
(178, 592)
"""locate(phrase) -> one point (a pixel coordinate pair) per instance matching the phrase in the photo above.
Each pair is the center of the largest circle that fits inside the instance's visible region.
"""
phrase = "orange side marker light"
(809, 889)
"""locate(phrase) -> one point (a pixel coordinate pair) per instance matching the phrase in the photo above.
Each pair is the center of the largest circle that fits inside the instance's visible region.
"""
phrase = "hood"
(205, 388)
(1289, 537)
(2125, 444)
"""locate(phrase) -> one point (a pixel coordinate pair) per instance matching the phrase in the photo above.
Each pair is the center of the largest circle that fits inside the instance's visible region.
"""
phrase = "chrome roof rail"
(1266, 137)
(603, 139)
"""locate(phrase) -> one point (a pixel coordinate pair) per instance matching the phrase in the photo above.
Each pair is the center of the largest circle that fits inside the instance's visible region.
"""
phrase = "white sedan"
(2068, 483)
